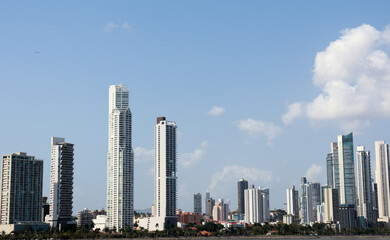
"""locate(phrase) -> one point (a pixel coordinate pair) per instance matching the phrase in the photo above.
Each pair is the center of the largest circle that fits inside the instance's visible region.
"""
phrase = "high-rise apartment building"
(253, 205)
(340, 168)
(310, 198)
(120, 160)
(61, 183)
(292, 201)
(364, 191)
(210, 205)
(198, 203)
(206, 198)
(165, 171)
(266, 213)
(383, 180)
(21, 189)
(331, 202)
(241, 186)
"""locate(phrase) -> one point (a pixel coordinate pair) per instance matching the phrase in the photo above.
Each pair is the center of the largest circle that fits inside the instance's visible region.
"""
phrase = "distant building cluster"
(351, 198)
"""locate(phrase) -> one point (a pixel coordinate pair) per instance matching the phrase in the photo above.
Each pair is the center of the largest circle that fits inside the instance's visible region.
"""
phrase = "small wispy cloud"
(255, 128)
(216, 111)
(111, 26)
(221, 181)
(189, 159)
(127, 26)
(143, 154)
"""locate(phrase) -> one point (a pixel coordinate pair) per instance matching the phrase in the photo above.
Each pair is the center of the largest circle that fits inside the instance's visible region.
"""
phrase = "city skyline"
(240, 80)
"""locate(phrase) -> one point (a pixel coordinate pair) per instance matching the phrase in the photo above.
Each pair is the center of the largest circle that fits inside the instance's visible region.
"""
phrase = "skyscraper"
(292, 201)
(206, 198)
(383, 180)
(253, 200)
(340, 168)
(61, 183)
(265, 194)
(241, 186)
(120, 160)
(198, 203)
(21, 189)
(364, 191)
(165, 171)
(331, 202)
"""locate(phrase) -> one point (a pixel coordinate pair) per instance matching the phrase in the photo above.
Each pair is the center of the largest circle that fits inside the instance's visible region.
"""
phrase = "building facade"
(364, 190)
(266, 211)
(21, 189)
(383, 180)
(198, 203)
(165, 171)
(61, 183)
(206, 198)
(292, 201)
(242, 185)
(341, 168)
(253, 205)
(120, 160)
(331, 202)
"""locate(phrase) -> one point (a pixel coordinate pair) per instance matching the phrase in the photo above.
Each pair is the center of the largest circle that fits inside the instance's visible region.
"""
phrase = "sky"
(258, 89)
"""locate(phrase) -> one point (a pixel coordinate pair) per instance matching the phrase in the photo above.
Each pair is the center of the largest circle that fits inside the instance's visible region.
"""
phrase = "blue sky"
(255, 61)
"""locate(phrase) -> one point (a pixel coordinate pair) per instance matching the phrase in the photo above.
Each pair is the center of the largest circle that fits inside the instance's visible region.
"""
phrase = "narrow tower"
(120, 160)
(383, 180)
(61, 183)
(165, 172)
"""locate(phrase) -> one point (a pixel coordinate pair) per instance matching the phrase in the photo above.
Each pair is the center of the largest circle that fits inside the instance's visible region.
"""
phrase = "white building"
(120, 160)
(364, 191)
(383, 180)
(165, 172)
(61, 183)
(253, 204)
(292, 201)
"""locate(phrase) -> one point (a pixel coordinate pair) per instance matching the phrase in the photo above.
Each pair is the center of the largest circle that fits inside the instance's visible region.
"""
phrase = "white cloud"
(127, 26)
(315, 173)
(110, 26)
(294, 111)
(353, 74)
(216, 111)
(222, 181)
(143, 154)
(188, 159)
(256, 128)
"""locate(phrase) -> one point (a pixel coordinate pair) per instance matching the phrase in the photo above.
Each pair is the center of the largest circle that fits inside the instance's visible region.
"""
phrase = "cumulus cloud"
(255, 128)
(314, 173)
(111, 26)
(189, 159)
(294, 111)
(216, 111)
(353, 73)
(143, 154)
(222, 181)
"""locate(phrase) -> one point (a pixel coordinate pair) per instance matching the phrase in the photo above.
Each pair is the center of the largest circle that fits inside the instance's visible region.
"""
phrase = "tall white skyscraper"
(120, 160)
(61, 183)
(364, 191)
(165, 172)
(253, 204)
(382, 180)
(292, 201)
